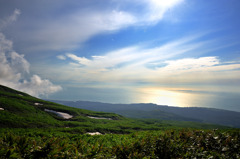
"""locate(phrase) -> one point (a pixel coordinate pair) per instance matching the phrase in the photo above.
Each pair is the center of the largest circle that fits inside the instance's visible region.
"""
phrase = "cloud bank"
(159, 65)
(76, 26)
(14, 69)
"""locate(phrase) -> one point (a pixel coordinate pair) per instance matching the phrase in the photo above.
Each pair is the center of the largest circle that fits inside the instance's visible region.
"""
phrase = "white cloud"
(12, 64)
(14, 70)
(196, 70)
(18, 62)
(150, 11)
(164, 4)
(135, 56)
(37, 86)
(191, 63)
(80, 60)
(61, 57)
(154, 65)
(157, 9)
(98, 57)
(71, 30)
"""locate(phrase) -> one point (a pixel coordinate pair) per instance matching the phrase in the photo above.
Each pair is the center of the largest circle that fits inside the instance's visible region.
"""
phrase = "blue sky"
(123, 51)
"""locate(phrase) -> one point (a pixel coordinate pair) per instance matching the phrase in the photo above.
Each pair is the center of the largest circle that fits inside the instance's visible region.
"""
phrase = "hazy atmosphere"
(176, 52)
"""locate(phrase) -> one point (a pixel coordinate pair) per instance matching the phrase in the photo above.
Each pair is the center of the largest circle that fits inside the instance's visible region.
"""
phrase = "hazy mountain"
(153, 111)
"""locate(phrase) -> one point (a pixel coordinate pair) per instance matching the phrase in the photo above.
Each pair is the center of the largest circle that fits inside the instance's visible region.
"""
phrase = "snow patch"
(1, 108)
(38, 104)
(93, 117)
(94, 133)
(20, 94)
(60, 114)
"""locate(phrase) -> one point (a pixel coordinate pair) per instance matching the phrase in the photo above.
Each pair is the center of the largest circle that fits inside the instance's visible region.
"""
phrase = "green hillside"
(31, 128)
(162, 112)
(24, 111)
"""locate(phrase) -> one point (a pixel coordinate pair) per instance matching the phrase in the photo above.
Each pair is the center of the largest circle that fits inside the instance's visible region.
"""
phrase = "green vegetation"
(24, 111)
(161, 112)
(154, 144)
(28, 131)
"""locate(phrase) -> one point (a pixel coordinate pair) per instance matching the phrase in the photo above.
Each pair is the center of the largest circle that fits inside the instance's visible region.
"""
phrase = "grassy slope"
(20, 111)
(140, 111)
(161, 112)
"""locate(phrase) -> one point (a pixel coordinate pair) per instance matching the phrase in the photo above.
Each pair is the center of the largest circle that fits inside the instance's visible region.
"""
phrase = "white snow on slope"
(60, 114)
(94, 133)
(38, 104)
(93, 117)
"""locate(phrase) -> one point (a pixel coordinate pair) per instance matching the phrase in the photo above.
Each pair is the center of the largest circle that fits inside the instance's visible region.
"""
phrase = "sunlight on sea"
(168, 97)
(212, 97)
(183, 97)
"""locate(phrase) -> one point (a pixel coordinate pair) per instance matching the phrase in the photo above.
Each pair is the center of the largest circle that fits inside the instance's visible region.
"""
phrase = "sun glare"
(168, 97)
(164, 3)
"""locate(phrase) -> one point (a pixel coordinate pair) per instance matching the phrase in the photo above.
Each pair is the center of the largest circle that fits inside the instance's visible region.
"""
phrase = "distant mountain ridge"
(149, 110)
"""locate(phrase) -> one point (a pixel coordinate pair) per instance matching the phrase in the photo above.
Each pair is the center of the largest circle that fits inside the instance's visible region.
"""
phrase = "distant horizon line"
(52, 100)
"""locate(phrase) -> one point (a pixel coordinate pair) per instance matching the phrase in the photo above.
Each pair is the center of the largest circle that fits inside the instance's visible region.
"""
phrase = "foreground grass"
(148, 144)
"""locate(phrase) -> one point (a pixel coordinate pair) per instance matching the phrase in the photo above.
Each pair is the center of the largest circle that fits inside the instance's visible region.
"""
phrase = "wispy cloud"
(8, 20)
(78, 25)
(61, 57)
(151, 12)
(160, 65)
(138, 55)
(80, 60)
(157, 9)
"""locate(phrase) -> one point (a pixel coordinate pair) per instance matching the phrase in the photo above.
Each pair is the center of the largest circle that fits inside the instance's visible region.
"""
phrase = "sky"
(176, 52)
